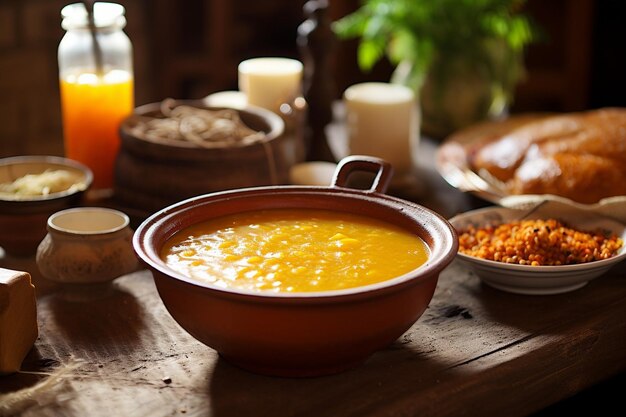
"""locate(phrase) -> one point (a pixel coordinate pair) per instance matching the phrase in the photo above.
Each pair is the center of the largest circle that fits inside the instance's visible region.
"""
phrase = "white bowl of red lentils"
(548, 249)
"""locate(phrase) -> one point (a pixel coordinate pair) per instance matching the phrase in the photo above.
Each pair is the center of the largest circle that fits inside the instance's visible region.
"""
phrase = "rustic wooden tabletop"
(475, 351)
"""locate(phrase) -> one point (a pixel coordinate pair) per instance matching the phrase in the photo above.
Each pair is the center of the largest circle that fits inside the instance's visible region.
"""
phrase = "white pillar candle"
(270, 82)
(383, 120)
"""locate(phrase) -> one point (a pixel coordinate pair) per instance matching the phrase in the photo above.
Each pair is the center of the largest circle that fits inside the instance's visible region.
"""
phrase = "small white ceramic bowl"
(535, 280)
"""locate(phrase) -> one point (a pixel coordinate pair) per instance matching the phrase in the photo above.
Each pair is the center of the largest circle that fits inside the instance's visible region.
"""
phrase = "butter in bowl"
(33, 187)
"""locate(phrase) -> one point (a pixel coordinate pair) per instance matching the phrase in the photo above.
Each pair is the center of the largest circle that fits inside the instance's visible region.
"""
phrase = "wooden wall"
(188, 49)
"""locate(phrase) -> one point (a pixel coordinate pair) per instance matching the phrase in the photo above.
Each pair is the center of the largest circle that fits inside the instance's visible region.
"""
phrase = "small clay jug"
(86, 245)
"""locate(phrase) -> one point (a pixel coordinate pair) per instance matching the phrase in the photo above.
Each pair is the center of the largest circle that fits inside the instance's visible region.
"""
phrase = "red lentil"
(536, 243)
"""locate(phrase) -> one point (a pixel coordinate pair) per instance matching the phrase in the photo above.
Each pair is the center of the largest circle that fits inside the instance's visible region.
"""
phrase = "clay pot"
(151, 175)
(300, 334)
(23, 220)
(86, 245)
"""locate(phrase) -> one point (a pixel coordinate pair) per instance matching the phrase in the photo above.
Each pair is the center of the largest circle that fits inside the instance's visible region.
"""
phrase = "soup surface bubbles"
(294, 250)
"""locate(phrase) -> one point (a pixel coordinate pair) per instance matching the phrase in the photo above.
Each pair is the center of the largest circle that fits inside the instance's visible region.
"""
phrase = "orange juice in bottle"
(96, 83)
(93, 107)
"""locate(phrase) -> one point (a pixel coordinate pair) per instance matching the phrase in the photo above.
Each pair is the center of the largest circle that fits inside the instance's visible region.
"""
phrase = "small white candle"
(270, 82)
(230, 99)
(383, 120)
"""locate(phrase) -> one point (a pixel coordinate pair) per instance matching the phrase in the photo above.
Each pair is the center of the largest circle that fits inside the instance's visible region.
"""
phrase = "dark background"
(191, 48)
(607, 85)
(578, 65)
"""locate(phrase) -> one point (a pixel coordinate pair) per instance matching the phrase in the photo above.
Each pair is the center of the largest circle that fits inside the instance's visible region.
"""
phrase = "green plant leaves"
(416, 30)
(370, 51)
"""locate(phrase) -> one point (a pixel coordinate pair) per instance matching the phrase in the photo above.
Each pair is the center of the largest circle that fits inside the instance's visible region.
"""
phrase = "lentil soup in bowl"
(551, 248)
(298, 280)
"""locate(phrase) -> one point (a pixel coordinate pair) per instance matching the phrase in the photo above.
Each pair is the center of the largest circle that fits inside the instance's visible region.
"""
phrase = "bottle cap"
(105, 15)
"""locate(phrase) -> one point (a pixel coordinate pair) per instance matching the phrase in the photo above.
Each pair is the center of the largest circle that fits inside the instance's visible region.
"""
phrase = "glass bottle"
(96, 83)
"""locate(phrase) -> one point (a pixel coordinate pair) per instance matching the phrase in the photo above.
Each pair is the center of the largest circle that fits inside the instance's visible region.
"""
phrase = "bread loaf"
(581, 156)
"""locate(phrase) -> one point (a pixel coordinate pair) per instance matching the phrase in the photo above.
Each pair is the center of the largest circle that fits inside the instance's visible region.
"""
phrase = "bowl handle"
(354, 163)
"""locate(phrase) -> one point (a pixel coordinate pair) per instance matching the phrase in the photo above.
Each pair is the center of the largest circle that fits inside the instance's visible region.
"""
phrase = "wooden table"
(475, 351)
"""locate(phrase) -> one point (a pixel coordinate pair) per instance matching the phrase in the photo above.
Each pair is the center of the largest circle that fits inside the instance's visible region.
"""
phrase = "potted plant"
(463, 58)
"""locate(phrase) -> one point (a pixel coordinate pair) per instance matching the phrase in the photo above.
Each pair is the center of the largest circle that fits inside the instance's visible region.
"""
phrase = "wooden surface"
(475, 351)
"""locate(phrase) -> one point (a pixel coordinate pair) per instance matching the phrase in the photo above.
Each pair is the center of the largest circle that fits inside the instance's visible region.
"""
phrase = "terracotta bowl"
(307, 333)
(23, 219)
(151, 174)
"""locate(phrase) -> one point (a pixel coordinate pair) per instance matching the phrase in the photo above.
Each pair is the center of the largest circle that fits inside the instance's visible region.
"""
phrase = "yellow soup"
(287, 250)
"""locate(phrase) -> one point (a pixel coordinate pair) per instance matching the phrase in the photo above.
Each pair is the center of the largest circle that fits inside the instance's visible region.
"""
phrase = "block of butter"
(18, 319)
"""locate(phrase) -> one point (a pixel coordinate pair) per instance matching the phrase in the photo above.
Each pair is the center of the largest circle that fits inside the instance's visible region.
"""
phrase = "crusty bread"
(581, 156)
